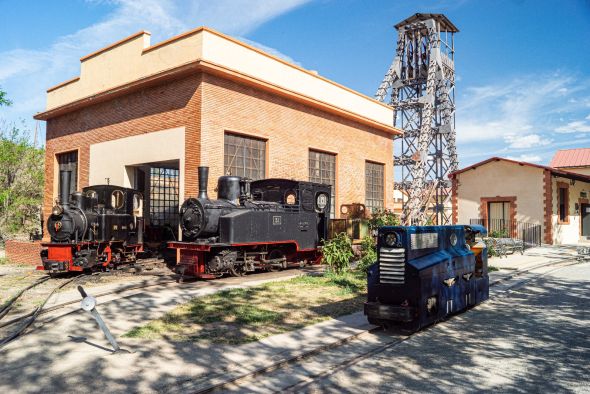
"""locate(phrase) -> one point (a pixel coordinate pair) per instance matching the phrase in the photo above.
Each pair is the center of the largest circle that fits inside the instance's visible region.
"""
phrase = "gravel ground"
(14, 277)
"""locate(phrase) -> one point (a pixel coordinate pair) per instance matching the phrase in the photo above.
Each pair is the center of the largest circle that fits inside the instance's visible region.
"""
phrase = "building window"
(563, 205)
(373, 186)
(164, 197)
(322, 169)
(68, 162)
(244, 156)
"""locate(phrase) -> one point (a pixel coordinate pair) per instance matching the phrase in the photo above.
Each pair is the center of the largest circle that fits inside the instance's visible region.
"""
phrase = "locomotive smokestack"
(203, 178)
(65, 177)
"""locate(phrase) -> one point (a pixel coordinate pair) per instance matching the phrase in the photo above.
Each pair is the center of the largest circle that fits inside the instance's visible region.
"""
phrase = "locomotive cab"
(424, 274)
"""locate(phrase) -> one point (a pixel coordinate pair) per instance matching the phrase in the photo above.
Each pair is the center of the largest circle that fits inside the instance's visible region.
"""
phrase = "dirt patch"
(15, 277)
(244, 315)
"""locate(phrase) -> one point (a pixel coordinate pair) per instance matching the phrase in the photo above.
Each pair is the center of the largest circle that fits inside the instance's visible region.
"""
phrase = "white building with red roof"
(525, 200)
(574, 160)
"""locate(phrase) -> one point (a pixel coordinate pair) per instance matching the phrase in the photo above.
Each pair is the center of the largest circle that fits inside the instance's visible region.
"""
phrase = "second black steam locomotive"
(99, 227)
(268, 224)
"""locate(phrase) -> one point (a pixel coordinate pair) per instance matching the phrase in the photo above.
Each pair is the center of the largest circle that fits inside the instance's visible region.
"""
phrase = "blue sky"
(523, 66)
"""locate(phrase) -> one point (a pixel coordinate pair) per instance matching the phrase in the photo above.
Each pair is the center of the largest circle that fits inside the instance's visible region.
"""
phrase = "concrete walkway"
(67, 352)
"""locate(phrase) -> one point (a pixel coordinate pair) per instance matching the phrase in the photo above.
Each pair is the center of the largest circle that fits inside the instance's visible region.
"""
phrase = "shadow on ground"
(537, 338)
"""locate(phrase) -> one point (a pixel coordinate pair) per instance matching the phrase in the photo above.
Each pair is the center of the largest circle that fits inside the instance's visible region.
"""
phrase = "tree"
(21, 181)
(3, 99)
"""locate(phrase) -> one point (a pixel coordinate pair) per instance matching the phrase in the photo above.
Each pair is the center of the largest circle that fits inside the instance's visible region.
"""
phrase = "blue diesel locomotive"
(424, 274)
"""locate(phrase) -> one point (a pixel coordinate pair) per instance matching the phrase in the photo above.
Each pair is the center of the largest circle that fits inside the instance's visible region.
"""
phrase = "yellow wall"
(110, 159)
(133, 59)
(577, 170)
(568, 233)
(503, 179)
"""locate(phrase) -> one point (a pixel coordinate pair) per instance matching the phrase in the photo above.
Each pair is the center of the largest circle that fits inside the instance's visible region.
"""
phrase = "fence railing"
(529, 233)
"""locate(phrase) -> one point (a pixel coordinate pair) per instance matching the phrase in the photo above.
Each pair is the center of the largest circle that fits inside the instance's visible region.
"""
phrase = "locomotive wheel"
(274, 255)
(237, 271)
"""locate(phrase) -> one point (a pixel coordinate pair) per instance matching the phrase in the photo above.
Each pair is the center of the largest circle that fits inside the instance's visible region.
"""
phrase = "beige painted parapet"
(132, 59)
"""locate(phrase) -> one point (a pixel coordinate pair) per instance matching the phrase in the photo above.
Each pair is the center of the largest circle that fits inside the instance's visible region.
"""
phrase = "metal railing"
(529, 233)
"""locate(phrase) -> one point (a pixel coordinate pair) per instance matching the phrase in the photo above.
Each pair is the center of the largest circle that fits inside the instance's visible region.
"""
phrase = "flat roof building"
(146, 116)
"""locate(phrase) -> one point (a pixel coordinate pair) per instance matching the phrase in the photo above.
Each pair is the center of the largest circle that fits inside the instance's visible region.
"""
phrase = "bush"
(383, 217)
(337, 253)
(368, 253)
(499, 233)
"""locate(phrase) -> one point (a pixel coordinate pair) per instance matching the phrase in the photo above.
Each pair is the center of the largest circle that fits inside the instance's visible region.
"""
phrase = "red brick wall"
(205, 102)
(548, 204)
(23, 252)
(291, 130)
(163, 107)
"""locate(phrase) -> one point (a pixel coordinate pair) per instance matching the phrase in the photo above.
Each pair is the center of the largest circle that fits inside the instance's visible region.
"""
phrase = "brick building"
(146, 116)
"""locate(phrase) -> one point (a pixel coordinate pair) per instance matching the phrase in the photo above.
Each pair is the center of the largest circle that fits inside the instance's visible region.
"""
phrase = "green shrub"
(337, 253)
(499, 233)
(383, 217)
(368, 253)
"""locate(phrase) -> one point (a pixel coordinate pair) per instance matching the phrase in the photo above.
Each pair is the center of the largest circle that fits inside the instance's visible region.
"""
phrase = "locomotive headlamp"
(391, 239)
(321, 201)
(57, 210)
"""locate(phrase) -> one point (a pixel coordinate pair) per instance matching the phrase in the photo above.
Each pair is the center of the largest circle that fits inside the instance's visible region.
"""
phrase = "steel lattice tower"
(421, 87)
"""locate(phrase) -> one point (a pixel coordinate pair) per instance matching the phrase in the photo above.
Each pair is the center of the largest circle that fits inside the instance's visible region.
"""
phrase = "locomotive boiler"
(265, 224)
(424, 274)
(99, 227)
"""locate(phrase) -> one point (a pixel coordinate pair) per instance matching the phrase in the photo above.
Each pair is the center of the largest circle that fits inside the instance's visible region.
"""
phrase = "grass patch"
(239, 316)
(491, 268)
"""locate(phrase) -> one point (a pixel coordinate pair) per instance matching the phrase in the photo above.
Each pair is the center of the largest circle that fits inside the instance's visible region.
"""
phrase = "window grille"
(68, 162)
(244, 156)
(164, 197)
(322, 169)
(373, 186)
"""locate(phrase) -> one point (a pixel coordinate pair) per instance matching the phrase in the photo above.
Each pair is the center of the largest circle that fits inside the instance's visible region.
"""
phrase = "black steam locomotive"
(424, 274)
(99, 227)
(265, 224)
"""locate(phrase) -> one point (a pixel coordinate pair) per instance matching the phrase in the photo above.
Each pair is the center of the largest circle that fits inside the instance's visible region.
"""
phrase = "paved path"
(532, 339)
(68, 353)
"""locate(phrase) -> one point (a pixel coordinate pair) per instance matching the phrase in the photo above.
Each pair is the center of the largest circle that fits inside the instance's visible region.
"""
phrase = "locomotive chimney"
(65, 177)
(203, 178)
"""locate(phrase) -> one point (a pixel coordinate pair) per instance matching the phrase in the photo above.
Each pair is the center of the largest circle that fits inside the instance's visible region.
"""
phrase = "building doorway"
(159, 183)
(499, 217)
(585, 220)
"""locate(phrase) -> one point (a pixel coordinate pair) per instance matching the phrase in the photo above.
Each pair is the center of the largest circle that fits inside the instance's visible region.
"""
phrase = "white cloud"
(526, 141)
(578, 126)
(26, 73)
(526, 157)
(510, 107)
(269, 50)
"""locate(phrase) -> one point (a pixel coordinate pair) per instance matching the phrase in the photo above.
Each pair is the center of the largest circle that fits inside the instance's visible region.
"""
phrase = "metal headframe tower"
(421, 88)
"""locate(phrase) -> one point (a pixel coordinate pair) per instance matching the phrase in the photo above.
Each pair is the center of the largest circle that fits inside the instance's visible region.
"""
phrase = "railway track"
(239, 382)
(26, 320)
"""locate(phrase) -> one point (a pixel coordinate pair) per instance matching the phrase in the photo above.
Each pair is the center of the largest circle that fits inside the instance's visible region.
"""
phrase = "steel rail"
(300, 357)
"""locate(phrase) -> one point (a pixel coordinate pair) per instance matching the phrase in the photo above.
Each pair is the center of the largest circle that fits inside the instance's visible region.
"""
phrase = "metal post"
(89, 305)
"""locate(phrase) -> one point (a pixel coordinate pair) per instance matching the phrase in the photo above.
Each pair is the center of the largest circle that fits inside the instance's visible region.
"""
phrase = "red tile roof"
(571, 158)
(554, 171)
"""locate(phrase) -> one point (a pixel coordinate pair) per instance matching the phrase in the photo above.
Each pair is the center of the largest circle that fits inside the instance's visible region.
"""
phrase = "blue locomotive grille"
(392, 265)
